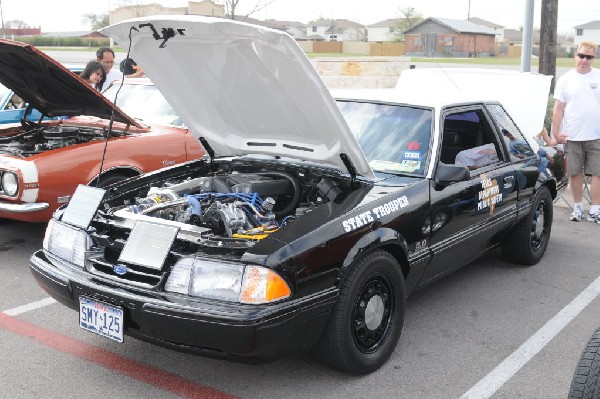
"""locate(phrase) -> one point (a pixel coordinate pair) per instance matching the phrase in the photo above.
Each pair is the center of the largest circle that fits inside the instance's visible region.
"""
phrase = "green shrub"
(48, 41)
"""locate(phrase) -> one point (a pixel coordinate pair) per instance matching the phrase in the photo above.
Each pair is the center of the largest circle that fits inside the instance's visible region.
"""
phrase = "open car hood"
(244, 88)
(523, 94)
(50, 87)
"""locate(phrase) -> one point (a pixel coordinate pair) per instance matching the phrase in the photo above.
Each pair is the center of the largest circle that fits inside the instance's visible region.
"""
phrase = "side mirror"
(446, 174)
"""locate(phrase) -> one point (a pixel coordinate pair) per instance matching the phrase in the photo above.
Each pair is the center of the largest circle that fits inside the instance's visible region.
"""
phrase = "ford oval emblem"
(120, 269)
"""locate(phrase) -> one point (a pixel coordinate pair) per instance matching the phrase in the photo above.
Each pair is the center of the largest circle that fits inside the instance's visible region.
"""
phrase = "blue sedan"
(12, 107)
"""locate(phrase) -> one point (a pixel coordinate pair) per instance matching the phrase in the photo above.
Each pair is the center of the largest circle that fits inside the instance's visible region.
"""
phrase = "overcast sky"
(66, 15)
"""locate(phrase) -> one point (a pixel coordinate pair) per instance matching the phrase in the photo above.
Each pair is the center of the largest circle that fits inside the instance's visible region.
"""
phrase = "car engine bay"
(34, 139)
(226, 209)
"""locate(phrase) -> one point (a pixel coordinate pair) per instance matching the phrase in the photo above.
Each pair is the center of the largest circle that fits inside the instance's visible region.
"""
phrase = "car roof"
(397, 96)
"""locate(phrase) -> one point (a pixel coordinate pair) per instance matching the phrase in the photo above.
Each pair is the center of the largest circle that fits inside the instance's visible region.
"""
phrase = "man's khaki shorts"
(583, 157)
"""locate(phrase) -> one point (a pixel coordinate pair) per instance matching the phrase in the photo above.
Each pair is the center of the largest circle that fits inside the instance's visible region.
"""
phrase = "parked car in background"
(586, 378)
(309, 222)
(13, 107)
(42, 163)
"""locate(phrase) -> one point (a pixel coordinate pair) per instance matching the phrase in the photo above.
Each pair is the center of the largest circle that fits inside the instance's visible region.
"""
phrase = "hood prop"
(209, 151)
(349, 166)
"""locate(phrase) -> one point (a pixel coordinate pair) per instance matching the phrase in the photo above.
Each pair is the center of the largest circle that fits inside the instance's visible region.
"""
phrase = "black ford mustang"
(311, 220)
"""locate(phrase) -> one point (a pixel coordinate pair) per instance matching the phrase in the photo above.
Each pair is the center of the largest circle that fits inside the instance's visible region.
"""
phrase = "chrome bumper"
(26, 207)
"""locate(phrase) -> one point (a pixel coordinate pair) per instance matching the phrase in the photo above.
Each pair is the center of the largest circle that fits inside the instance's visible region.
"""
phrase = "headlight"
(226, 281)
(10, 184)
(66, 242)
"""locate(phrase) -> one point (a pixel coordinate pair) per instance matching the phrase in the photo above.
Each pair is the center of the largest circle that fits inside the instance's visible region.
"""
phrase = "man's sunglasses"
(586, 56)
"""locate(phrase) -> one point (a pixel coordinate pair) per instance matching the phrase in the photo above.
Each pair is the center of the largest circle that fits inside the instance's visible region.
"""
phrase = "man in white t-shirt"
(576, 122)
(106, 56)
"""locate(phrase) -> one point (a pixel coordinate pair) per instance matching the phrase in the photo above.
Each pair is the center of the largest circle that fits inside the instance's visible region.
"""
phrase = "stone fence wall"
(360, 72)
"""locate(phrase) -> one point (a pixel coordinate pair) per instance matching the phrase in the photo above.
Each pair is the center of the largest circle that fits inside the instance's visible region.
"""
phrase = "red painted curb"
(112, 361)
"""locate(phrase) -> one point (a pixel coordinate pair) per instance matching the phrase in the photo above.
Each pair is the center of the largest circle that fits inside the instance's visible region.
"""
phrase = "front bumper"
(25, 207)
(251, 333)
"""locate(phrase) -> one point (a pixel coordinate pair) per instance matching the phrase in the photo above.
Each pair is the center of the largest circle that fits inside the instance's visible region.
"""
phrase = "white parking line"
(513, 363)
(29, 307)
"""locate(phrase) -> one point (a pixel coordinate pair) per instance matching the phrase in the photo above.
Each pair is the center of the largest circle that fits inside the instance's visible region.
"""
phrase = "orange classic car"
(41, 163)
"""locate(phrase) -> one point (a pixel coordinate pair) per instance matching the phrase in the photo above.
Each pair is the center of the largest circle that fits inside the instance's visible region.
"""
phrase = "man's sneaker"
(594, 217)
(577, 215)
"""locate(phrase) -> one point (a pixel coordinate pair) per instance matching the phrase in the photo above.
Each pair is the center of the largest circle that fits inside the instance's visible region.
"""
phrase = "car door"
(466, 216)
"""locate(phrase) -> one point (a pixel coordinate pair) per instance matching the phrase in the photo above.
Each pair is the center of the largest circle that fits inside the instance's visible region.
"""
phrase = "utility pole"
(469, 11)
(527, 37)
(548, 39)
(2, 17)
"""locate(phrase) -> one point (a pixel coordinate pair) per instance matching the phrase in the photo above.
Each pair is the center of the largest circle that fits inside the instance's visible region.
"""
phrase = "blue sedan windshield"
(144, 103)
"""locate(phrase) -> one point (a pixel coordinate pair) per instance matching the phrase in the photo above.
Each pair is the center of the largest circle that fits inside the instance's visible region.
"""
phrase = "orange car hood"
(246, 89)
(50, 87)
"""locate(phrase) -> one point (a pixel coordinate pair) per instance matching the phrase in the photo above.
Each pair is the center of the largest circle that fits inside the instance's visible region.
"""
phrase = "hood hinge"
(349, 166)
(209, 151)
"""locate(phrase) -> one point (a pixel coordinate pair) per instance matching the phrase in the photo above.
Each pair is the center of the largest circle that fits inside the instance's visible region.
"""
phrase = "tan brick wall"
(206, 8)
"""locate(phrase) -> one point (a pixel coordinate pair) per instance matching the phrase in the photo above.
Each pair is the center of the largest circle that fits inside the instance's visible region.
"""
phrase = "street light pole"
(2, 17)
(469, 11)
(527, 37)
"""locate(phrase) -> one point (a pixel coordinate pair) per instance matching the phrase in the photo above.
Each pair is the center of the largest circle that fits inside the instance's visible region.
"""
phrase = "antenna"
(112, 114)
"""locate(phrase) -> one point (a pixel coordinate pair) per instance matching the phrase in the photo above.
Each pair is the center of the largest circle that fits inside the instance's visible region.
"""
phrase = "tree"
(548, 39)
(409, 18)
(96, 21)
(231, 5)
(16, 24)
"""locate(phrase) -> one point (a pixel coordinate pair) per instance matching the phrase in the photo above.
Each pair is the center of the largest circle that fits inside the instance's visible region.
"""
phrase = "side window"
(468, 140)
(518, 147)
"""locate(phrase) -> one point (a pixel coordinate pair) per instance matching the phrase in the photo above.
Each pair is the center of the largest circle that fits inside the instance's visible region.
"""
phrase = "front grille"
(137, 275)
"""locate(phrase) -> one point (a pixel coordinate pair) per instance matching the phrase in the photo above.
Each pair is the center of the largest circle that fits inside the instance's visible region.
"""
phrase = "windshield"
(394, 138)
(144, 103)
(3, 92)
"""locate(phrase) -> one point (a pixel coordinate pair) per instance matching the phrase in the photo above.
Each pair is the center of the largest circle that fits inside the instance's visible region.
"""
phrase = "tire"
(586, 381)
(109, 179)
(527, 242)
(366, 322)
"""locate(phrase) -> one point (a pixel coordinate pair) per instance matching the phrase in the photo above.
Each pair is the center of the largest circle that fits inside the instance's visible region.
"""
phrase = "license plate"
(101, 318)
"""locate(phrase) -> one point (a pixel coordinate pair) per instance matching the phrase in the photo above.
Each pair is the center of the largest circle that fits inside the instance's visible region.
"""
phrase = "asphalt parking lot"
(492, 329)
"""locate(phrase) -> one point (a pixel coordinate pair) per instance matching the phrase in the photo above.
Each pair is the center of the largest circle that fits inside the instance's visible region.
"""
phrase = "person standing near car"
(94, 74)
(576, 123)
(106, 56)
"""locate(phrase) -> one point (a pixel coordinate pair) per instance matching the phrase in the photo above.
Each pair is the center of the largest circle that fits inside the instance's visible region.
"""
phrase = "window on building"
(579, 32)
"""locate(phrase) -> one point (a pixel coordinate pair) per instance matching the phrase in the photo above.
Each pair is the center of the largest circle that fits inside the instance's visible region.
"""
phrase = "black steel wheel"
(367, 320)
(372, 313)
(586, 380)
(527, 243)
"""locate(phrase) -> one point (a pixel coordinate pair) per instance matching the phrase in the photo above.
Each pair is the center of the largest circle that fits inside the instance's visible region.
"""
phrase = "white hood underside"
(244, 88)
